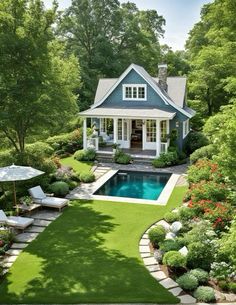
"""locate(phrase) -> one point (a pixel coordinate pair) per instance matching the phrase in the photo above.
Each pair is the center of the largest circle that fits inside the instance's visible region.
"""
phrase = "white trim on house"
(132, 86)
(150, 81)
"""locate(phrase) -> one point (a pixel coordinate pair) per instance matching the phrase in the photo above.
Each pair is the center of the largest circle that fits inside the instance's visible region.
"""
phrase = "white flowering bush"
(220, 270)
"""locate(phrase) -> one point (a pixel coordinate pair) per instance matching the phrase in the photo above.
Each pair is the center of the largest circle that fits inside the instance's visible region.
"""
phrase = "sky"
(180, 16)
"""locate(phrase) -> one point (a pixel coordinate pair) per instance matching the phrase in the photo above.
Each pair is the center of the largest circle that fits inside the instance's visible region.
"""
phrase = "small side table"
(24, 208)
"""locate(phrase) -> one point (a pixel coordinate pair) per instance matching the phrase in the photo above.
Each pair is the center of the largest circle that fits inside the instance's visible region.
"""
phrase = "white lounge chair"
(17, 222)
(40, 197)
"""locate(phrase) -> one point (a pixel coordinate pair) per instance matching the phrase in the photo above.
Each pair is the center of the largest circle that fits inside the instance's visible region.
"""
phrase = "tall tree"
(107, 36)
(221, 130)
(211, 49)
(176, 60)
(36, 78)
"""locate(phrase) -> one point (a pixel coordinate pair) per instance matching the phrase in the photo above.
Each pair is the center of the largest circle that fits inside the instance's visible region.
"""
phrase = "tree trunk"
(209, 103)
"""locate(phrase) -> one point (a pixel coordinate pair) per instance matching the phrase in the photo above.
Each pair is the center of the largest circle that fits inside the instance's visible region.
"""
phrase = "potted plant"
(115, 146)
(26, 200)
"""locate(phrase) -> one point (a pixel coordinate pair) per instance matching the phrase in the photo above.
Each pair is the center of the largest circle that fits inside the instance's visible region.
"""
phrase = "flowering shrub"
(220, 270)
(218, 213)
(204, 170)
(208, 190)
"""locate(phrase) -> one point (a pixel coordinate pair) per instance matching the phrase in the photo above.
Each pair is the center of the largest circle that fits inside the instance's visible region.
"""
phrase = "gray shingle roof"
(176, 88)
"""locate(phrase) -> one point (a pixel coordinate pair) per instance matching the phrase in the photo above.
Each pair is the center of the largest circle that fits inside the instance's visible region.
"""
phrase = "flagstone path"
(155, 270)
(41, 220)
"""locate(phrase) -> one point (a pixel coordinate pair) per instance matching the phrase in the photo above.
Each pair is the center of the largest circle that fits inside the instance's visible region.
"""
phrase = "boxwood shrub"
(204, 294)
(204, 152)
(87, 177)
(157, 235)
(59, 188)
(85, 155)
(171, 216)
(187, 281)
(170, 245)
(121, 157)
(200, 274)
(166, 159)
(174, 259)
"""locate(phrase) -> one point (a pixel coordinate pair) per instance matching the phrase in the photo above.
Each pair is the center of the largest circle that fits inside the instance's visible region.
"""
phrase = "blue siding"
(115, 100)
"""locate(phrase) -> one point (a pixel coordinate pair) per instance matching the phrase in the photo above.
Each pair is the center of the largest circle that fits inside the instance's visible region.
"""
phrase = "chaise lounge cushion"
(40, 197)
(15, 221)
(54, 202)
(37, 193)
(3, 217)
(19, 222)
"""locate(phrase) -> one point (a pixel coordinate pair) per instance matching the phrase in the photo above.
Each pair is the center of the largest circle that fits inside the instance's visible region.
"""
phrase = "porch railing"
(164, 147)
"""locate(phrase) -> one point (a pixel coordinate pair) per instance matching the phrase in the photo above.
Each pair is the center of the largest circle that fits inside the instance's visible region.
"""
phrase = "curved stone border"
(154, 268)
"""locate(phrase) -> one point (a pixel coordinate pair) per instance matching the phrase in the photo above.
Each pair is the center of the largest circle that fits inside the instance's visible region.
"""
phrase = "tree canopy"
(211, 50)
(37, 79)
(107, 36)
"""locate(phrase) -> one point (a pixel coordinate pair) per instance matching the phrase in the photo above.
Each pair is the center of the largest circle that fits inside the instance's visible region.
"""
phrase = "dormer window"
(134, 92)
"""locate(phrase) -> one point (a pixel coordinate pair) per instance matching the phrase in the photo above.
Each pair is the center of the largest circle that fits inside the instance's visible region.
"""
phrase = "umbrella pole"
(14, 196)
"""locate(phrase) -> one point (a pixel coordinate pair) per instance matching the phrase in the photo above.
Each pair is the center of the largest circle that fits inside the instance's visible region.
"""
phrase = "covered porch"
(141, 132)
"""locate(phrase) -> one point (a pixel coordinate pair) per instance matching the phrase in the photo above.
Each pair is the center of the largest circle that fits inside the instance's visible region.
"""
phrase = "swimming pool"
(133, 184)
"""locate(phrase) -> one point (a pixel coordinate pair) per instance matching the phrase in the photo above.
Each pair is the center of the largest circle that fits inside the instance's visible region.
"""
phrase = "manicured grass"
(77, 165)
(89, 255)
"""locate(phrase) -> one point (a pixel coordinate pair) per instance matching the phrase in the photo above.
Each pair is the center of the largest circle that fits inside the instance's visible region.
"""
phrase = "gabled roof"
(176, 88)
(107, 86)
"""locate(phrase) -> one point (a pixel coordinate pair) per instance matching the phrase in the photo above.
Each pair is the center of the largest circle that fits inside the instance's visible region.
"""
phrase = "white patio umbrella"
(15, 173)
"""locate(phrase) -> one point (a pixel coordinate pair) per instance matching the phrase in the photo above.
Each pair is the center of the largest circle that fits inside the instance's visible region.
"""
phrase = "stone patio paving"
(41, 220)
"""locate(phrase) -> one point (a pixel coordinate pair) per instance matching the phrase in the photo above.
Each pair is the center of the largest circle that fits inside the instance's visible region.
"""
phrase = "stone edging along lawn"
(154, 268)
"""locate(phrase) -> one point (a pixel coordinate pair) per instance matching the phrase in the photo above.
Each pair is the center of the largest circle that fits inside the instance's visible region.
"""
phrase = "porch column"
(85, 133)
(115, 129)
(158, 138)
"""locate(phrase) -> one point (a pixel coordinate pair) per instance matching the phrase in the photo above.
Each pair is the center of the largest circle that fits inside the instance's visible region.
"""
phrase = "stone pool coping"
(86, 190)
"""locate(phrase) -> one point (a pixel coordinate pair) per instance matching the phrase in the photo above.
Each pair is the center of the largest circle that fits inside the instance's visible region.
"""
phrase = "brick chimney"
(162, 76)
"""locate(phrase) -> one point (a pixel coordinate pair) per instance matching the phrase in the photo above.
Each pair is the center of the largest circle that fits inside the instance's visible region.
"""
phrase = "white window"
(134, 92)
(185, 128)
(151, 130)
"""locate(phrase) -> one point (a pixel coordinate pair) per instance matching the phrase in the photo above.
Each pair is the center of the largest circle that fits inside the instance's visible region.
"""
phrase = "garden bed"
(195, 244)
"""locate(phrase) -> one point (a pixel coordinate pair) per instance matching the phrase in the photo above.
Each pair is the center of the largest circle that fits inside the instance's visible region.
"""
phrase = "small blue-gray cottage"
(139, 112)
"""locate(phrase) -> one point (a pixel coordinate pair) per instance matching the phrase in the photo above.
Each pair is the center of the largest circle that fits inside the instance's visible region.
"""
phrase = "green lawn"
(77, 165)
(89, 255)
